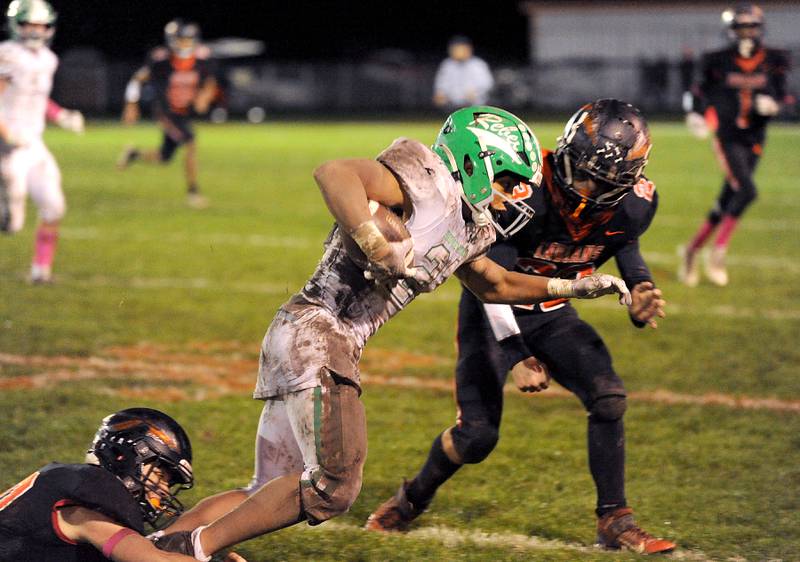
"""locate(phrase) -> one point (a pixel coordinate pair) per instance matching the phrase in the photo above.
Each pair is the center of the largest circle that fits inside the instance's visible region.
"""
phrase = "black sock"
(607, 463)
(435, 472)
(193, 188)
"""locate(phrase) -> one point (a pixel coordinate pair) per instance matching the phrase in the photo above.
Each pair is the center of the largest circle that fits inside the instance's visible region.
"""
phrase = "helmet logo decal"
(504, 143)
(494, 124)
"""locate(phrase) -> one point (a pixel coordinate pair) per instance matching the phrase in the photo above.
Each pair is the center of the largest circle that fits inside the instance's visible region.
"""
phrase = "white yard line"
(450, 537)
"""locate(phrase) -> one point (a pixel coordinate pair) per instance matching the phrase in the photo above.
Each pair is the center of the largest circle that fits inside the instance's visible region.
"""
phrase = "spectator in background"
(462, 79)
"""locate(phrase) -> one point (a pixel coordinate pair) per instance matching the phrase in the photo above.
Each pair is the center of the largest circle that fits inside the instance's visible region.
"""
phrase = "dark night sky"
(300, 30)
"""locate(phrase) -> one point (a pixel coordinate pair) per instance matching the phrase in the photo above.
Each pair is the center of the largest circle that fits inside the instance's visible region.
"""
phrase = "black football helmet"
(744, 26)
(131, 444)
(182, 37)
(607, 141)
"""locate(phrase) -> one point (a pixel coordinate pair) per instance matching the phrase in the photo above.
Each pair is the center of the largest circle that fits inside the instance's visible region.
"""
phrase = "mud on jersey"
(28, 529)
(30, 79)
(328, 323)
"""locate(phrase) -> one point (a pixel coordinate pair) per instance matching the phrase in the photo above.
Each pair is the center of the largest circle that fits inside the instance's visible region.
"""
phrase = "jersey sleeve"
(630, 261)
(100, 490)
(780, 69)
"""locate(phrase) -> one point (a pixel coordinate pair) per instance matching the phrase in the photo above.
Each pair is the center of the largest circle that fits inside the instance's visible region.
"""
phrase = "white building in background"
(583, 50)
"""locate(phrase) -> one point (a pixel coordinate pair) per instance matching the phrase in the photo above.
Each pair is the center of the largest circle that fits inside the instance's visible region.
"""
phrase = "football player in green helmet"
(27, 66)
(452, 199)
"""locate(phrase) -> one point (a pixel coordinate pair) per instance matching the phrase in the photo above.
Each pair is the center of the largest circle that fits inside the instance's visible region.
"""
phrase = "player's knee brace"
(324, 495)
(474, 442)
(608, 408)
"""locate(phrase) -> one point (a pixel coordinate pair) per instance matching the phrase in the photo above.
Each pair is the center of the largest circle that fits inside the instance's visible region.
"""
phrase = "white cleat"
(715, 268)
(40, 275)
(196, 201)
(688, 269)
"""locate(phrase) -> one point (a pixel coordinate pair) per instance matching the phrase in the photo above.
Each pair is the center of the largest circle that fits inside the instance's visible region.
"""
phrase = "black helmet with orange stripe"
(608, 142)
(151, 455)
(744, 25)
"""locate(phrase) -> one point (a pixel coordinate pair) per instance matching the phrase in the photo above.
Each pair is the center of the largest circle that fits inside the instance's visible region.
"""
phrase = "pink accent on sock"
(46, 241)
(726, 228)
(52, 111)
(703, 233)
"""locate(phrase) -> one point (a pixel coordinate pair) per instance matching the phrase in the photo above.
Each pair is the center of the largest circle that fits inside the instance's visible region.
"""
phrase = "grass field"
(159, 305)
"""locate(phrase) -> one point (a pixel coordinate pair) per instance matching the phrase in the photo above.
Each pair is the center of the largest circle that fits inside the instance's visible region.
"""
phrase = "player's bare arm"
(112, 539)
(647, 304)
(347, 187)
(492, 283)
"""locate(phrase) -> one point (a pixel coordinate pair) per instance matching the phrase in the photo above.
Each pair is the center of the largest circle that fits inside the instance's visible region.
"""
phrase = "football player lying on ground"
(139, 460)
(308, 375)
(595, 204)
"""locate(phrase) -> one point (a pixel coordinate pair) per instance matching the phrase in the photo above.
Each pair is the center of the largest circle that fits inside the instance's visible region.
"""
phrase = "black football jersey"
(28, 526)
(729, 84)
(176, 81)
(554, 245)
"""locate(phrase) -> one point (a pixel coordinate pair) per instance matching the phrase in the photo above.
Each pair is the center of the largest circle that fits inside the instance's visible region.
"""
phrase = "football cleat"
(129, 155)
(395, 514)
(715, 268)
(40, 274)
(618, 530)
(196, 201)
(688, 268)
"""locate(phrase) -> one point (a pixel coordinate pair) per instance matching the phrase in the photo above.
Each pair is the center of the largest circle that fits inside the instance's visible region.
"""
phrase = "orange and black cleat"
(393, 515)
(618, 530)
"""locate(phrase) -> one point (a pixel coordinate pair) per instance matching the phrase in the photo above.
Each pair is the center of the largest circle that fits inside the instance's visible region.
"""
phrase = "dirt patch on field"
(199, 371)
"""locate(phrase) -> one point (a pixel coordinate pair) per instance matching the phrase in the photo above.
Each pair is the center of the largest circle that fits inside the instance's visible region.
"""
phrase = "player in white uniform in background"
(311, 442)
(27, 66)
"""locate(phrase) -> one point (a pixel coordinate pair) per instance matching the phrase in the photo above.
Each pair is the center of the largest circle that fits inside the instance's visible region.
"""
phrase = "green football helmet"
(483, 147)
(40, 12)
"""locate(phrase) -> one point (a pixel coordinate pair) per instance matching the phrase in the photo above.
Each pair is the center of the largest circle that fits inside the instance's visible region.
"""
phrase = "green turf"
(136, 265)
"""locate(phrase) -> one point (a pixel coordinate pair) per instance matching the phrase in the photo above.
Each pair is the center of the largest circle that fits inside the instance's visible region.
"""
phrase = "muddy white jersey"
(328, 323)
(23, 103)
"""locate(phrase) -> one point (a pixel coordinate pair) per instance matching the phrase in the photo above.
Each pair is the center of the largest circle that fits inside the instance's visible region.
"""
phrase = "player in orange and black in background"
(184, 86)
(594, 204)
(741, 88)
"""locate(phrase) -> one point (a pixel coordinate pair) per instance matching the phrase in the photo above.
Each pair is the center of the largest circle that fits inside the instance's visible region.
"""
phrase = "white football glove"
(697, 125)
(71, 120)
(590, 287)
(766, 105)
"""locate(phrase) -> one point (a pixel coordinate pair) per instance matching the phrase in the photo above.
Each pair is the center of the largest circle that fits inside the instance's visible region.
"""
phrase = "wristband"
(561, 288)
(369, 238)
(133, 91)
(199, 553)
(109, 545)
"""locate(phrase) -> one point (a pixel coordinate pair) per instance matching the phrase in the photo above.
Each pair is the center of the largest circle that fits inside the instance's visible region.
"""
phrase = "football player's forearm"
(344, 194)
(493, 284)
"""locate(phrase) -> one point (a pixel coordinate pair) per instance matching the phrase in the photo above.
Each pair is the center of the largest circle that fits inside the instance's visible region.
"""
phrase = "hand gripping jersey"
(28, 524)
(328, 323)
(729, 86)
(24, 102)
(555, 245)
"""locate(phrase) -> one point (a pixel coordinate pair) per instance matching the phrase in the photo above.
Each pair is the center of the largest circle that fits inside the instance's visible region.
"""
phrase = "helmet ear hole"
(469, 167)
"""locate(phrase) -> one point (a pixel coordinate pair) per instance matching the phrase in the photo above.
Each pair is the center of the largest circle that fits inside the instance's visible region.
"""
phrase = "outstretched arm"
(112, 539)
(133, 92)
(492, 283)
